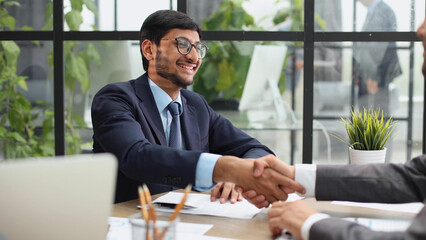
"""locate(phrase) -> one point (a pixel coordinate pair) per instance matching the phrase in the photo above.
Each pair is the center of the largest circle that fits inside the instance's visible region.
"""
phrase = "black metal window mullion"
(181, 6)
(308, 82)
(58, 79)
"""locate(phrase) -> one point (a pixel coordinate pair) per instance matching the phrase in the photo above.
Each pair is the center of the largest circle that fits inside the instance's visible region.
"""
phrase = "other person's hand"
(372, 86)
(289, 216)
(272, 162)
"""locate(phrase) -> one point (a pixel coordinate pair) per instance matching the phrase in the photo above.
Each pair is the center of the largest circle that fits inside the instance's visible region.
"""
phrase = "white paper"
(120, 229)
(386, 225)
(203, 206)
(396, 207)
(187, 236)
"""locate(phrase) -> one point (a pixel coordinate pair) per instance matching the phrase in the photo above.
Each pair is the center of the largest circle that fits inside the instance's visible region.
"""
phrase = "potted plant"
(368, 133)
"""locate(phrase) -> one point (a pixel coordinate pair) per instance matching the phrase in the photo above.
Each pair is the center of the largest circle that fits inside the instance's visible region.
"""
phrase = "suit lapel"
(149, 108)
(190, 128)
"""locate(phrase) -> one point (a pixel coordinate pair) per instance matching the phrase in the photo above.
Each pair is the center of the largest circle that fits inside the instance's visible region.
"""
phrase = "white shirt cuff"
(204, 171)
(306, 175)
(306, 227)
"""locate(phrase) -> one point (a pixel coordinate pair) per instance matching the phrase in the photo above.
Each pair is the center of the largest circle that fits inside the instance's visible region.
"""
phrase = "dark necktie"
(175, 138)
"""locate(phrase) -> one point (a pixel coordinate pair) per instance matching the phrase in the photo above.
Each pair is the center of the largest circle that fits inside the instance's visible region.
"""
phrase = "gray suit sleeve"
(386, 183)
(371, 183)
(335, 228)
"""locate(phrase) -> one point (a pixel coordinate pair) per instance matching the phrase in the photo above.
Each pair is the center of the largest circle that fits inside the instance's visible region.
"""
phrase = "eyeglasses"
(184, 47)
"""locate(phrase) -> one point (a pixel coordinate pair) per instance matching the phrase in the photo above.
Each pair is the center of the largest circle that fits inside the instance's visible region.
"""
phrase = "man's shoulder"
(126, 86)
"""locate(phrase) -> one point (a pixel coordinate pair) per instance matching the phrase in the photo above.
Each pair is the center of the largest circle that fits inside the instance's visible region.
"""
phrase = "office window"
(123, 15)
(250, 15)
(226, 73)
(29, 15)
(390, 15)
(366, 74)
(110, 61)
(252, 22)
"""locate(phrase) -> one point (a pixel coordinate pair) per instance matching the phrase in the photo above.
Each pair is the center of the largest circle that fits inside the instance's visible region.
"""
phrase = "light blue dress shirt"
(207, 161)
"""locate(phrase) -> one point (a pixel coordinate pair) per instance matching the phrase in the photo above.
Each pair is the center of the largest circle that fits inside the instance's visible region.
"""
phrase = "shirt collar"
(162, 99)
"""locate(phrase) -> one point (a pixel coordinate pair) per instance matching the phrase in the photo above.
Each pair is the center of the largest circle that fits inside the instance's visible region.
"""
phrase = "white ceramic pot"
(367, 156)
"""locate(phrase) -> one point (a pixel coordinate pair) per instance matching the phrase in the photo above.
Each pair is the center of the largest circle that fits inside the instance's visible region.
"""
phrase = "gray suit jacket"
(386, 183)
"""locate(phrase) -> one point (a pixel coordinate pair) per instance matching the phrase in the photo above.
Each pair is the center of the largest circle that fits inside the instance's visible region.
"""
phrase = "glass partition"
(360, 16)
(258, 15)
(27, 15)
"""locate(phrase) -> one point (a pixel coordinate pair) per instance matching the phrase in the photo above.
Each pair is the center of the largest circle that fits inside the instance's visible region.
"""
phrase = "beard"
(162, 66)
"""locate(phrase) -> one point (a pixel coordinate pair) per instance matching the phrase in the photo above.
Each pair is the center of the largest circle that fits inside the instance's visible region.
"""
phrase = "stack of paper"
(201, 205)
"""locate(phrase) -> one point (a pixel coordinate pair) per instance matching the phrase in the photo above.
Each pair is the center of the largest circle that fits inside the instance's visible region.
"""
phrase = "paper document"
(202, 206)
(386, 225)
(397, 207)
(120, 229)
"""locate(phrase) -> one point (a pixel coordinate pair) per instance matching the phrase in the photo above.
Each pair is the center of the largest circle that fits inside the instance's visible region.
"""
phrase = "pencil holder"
(161, 230)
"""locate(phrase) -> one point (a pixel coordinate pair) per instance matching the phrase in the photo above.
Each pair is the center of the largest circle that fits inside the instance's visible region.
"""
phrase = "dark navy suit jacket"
(126, 122)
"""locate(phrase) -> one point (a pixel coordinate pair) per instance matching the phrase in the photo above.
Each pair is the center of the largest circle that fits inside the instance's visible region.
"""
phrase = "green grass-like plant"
(368, 130)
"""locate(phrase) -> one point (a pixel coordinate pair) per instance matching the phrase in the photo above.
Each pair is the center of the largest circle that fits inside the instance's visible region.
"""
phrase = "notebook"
(57, 197)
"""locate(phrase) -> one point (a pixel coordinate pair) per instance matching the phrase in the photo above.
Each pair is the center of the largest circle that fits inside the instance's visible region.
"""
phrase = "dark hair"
(160, 23)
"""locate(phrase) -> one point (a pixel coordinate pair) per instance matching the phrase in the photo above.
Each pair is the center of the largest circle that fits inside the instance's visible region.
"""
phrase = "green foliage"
(225, 73)
(368, 130)
(17, 130)
(17, 115)
(78, 57)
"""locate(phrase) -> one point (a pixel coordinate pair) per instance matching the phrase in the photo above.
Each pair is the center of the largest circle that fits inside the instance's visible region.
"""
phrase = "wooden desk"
(257, 228)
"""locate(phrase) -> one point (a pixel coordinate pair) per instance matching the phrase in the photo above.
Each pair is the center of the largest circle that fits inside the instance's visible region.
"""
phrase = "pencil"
(144, 212)
(176, 212)
(181, 204)
(143, 205)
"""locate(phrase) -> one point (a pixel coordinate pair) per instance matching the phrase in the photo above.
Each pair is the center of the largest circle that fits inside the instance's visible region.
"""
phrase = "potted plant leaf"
(368, 133)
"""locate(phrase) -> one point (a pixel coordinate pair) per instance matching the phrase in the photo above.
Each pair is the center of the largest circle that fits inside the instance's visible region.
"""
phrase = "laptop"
(67, 197)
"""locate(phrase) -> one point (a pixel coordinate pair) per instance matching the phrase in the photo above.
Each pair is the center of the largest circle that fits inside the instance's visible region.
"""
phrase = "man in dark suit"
(376, 63)
(133, 120)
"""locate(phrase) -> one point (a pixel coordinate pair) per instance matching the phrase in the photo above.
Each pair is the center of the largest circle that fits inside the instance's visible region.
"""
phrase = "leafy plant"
(17, 128)
(20, 137)
(368, 130)
(226, 71)
(78, 58)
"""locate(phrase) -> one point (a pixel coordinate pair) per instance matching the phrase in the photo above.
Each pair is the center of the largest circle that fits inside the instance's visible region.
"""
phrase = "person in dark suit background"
(387, 183)
(376, 63)
(132, 120)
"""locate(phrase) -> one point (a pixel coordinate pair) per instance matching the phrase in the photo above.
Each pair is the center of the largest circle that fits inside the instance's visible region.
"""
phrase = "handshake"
(261, 181)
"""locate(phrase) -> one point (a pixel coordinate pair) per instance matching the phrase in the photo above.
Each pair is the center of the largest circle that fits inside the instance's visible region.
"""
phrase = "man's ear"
(148, 49)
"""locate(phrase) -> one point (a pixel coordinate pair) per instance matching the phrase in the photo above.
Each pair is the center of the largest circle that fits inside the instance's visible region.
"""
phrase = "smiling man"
(169, 137)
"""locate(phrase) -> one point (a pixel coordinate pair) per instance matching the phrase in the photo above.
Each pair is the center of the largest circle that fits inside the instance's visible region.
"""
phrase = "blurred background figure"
(376, 63)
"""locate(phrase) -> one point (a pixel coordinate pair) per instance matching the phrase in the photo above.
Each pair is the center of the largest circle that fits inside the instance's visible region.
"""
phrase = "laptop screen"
(67, 197)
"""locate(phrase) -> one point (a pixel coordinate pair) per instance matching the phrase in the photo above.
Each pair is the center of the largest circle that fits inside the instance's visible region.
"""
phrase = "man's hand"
(372, 86)
(225, 190)
(289, 216)
(272, 162)
(270, 184)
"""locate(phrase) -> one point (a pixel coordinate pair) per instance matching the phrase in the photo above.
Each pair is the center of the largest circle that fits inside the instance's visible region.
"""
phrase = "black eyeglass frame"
(200, 45)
